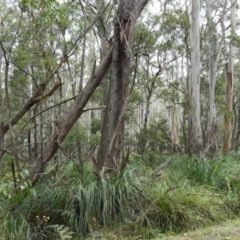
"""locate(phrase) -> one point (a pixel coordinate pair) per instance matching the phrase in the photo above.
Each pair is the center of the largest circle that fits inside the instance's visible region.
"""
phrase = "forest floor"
(229, 230)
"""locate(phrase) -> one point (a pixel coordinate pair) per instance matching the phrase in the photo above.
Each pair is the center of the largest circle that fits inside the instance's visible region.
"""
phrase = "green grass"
(189, 194)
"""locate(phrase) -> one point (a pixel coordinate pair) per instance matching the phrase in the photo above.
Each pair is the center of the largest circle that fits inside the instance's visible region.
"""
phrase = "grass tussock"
(188, 194)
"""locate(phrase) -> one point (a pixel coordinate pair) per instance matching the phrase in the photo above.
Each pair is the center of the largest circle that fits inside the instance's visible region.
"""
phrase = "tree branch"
(72, 116)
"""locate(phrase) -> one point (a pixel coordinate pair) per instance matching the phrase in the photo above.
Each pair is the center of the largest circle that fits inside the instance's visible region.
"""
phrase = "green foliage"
(79, 145)
(15, 186)
(103, 200)
(178, 208)
(153, 138)
(175, 19)
(219, 172)
(13, 191)
(71, 141)
(144, 34)
(190, 193)
(98, 95)
(136, 97)
(14, 227)
(95, 125)
(50, 11)
(77, 199)
(62, 232)
(81, 203)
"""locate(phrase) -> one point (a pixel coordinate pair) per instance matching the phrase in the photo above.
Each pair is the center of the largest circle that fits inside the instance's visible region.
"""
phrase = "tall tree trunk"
(196, 131)
(2, 113)
(229, 87)
(214, 55)
(112, 130)
(211, 124)
(185, 115)
(237, 138)
(102, 32)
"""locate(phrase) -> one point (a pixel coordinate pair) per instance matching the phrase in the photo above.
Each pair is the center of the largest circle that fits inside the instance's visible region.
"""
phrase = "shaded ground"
(229, 230)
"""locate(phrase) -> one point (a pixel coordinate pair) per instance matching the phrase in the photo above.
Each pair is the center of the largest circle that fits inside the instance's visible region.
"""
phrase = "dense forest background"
(110, 110)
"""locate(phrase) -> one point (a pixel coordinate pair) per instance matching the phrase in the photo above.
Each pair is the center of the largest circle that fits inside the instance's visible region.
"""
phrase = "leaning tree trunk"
(76, 110)
(112, 130)
(196, 131)
(74, 113)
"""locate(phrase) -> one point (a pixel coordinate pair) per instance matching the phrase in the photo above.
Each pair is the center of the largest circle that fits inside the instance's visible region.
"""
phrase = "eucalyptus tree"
(159, 42)
(38, 61)
(119, 55)
(113, 123)
(236, 111)
(148, 66)
(176, 29)
(215, 46)
(195, 115)
(229, 85)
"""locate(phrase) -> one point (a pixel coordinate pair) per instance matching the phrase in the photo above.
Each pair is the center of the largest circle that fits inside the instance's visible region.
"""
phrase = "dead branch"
(158, 171)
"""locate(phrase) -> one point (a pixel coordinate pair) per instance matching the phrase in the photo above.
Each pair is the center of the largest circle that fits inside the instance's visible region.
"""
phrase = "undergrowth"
(188, 194)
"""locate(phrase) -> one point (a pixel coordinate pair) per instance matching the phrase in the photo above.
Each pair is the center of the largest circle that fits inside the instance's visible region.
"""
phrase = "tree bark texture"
(229, 87)
(196, 131)
(112, 130)
(211, 125)
(102, 28)
(227, 116)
